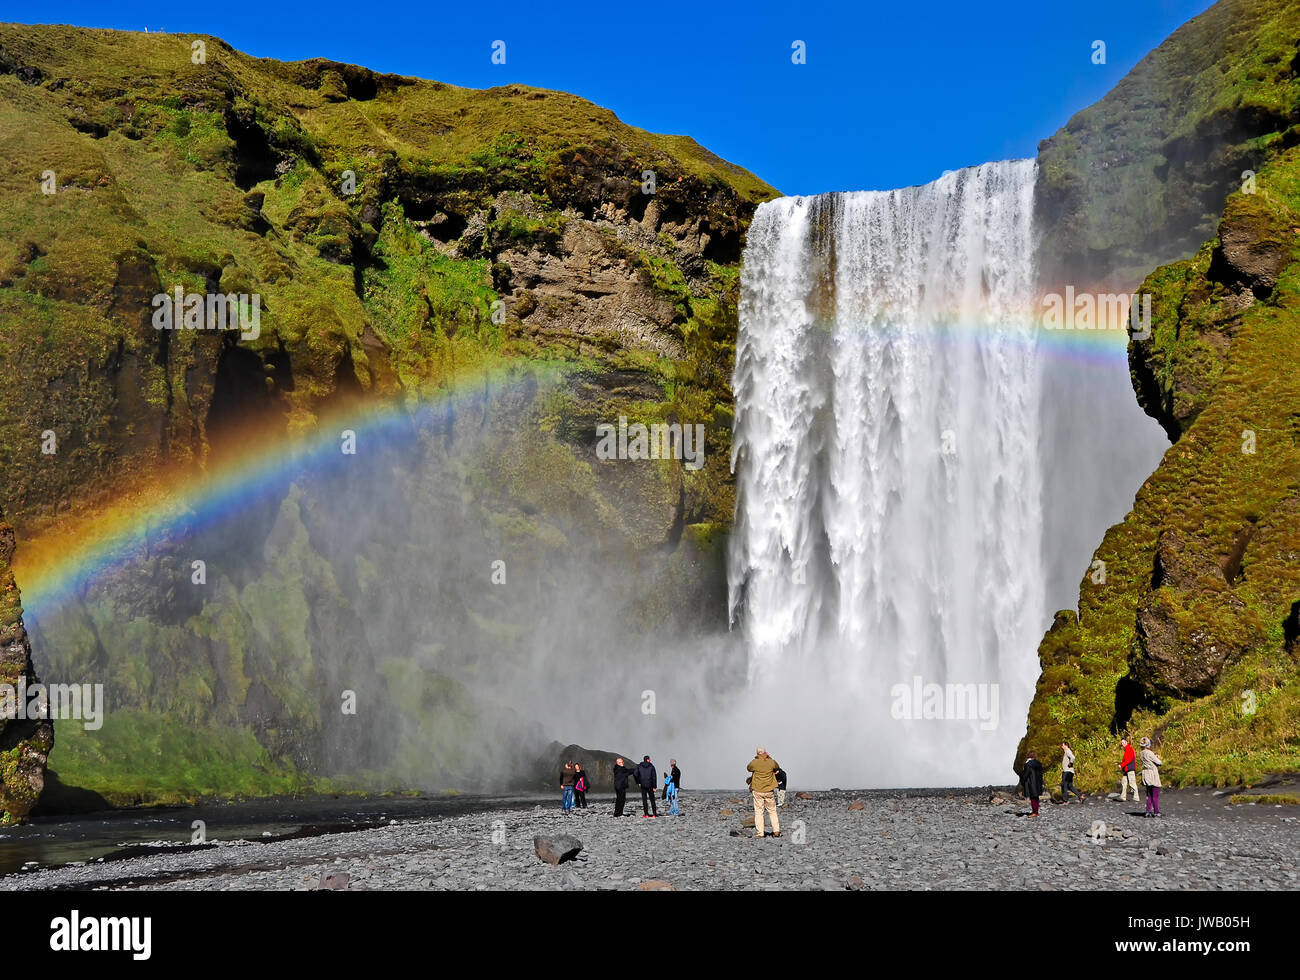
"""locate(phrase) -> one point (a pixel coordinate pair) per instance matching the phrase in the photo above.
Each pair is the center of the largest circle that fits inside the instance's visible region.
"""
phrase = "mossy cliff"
(1187, 629)
(408, 240)
(378, 217)
(25, 743)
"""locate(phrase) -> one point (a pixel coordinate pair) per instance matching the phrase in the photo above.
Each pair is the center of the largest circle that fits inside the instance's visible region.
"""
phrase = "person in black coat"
(621, 772)
(647, 778)
(1032, 781)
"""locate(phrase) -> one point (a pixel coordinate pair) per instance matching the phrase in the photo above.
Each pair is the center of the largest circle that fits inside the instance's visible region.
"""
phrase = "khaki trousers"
(765, 803)
(1127, 779)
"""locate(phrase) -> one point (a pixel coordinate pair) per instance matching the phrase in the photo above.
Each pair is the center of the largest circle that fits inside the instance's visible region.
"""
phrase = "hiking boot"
(777, 834)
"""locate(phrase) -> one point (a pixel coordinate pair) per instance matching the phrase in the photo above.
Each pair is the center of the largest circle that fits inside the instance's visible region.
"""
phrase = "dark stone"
(58, 799)
(556, 848)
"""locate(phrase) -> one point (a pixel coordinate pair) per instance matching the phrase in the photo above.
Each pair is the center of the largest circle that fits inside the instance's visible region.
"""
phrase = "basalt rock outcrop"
(25, 743)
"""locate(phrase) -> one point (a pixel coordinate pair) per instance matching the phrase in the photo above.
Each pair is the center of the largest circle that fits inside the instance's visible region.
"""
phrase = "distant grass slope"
(1139, 178)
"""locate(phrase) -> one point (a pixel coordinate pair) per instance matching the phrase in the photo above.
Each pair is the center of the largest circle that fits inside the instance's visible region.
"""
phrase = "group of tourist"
(767, 782)
(574, 784)
(645, 775)
(1031, 780)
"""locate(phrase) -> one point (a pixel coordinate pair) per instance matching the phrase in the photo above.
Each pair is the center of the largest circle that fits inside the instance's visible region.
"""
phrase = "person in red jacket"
(1128, 772)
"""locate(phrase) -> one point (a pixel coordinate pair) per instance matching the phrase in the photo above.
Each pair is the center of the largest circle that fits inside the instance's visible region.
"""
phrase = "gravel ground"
(920, 840)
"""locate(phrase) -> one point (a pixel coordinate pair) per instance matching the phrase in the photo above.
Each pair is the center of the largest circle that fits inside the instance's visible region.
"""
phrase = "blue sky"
(892, 94)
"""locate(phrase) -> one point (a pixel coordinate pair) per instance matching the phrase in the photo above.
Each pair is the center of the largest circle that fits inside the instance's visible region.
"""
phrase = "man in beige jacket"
(763, 786)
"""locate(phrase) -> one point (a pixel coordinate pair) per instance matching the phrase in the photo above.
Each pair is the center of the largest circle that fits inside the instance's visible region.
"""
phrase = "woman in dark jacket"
(1032, 780)
(580, 786)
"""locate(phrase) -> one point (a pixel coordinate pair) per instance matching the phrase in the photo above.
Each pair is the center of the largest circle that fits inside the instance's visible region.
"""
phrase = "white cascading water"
(888, 519)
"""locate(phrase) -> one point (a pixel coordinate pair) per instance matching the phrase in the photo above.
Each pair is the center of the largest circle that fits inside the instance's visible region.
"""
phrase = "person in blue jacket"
(670, 790)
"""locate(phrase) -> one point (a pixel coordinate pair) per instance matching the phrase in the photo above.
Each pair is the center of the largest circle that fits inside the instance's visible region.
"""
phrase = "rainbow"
(58, 564)
(62, 560)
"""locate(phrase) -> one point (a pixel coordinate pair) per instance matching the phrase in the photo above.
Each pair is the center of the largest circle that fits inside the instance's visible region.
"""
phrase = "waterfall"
(889, 515)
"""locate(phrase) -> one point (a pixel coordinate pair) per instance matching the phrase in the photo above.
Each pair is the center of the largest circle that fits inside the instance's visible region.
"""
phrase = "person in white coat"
(1151, 764)
(1067, 774)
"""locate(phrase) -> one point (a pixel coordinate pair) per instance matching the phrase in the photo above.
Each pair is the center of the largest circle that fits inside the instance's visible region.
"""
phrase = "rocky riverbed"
(897, 840)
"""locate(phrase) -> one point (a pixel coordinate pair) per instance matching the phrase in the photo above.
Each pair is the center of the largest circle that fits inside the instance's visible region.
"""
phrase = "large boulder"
(556, 848)
(544, 772)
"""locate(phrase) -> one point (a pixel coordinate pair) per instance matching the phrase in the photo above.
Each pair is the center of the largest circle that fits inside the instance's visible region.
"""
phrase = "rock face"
(1203, 310)
(535, 200)
(557, 848)
(25, 743)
